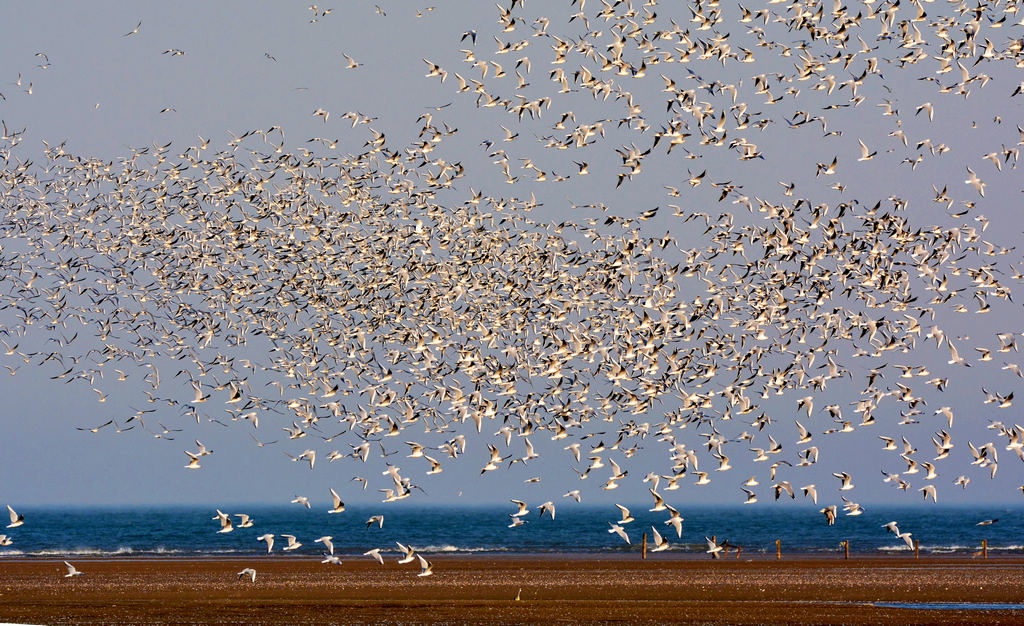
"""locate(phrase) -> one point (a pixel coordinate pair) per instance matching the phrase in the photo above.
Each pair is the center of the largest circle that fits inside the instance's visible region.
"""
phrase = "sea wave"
(450, 548)
(945, 549)
(122, 550)
(163, 550)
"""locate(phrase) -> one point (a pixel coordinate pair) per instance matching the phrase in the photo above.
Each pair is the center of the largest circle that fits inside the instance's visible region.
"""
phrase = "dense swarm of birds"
(369, 299)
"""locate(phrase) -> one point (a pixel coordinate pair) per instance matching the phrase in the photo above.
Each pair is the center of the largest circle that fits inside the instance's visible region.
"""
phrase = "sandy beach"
(483, 590)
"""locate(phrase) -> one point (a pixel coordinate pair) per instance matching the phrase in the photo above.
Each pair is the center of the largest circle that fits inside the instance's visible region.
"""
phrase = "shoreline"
(482, 589)
(940, 558)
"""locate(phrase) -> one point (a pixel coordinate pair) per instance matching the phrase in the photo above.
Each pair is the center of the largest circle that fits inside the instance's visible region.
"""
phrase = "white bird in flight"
(292, 543)
(426, 569)
(675, 521)
(410, 554)
(847, 480)
(269, 538)
(892, 527)
(225, 522)
(549, 507)
(326, 540)
(615, 528)
(713, 548)
(660, 543)
(193, 461)
(16, 520)
(626, 517)
(72, 571)
(338, 506)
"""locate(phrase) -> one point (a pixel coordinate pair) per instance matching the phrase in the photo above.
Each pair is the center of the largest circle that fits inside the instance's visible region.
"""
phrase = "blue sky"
(249, 66)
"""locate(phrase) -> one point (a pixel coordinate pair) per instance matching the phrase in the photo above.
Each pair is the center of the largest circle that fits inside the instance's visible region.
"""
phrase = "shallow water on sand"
(952, 606)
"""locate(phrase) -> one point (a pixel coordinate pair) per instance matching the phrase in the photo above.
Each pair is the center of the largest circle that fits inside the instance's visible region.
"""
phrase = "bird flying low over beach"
(615, 528)
(409, 553)
(72, 571)
(16, 519)
(894, 529)
(548, 507)
(338, 505)
(292, 543)
(714, 548)
(327, 541)
(269, 538)
(660, 543)
(426, 569)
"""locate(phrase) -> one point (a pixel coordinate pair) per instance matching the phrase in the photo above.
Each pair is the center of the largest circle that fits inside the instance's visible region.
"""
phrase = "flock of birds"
(350, 299)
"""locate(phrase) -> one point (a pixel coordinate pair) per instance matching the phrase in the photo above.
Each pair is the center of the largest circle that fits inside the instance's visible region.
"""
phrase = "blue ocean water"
(191, 532)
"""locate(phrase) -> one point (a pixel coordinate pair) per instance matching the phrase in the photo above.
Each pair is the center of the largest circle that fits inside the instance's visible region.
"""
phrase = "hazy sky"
(255, 65)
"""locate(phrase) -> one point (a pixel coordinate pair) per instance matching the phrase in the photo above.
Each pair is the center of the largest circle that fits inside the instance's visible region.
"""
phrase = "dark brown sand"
(482, 590)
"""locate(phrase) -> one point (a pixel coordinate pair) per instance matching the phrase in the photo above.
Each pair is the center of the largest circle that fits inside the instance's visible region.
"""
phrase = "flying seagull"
(71, 570)
(269, 538)
(16, 520)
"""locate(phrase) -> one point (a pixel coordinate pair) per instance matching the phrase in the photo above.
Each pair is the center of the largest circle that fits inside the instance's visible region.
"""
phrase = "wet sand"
(482, 590)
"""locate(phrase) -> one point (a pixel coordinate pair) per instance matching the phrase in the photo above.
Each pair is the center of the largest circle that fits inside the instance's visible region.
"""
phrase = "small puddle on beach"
(952, 606)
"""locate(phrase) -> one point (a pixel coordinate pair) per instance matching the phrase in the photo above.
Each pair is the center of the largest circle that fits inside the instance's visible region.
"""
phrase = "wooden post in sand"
(643, 547)
(984, 548)
(917, 548)
(778, 548)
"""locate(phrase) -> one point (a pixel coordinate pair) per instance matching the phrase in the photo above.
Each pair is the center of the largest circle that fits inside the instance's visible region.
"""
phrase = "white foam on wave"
(450, 548)
(70, 552)
(947, 549)
(163, 550)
